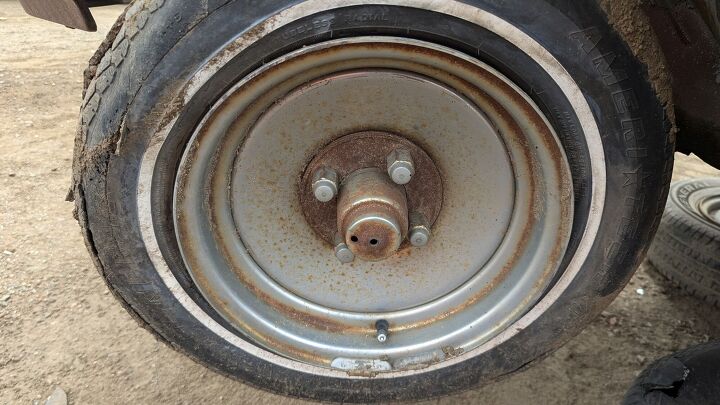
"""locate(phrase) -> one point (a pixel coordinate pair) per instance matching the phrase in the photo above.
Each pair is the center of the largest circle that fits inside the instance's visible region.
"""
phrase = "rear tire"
(689, 376)
(686, 248)
(575, 68)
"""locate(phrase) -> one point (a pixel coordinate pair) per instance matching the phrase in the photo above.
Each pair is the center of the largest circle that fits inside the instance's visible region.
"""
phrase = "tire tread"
(687, 252)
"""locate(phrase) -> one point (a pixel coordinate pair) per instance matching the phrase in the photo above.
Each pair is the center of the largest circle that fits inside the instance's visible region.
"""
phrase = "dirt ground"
(59, 326)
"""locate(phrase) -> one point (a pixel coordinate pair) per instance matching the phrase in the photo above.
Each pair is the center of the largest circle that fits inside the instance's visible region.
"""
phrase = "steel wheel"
(498, 238)
(356, 202)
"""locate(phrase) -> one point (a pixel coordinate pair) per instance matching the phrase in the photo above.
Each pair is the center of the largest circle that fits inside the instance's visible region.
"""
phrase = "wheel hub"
(376, 181)
(372, 214)
(386, 205)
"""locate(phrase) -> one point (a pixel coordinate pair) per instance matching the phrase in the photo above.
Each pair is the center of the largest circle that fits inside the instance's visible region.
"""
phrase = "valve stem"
(383, 330)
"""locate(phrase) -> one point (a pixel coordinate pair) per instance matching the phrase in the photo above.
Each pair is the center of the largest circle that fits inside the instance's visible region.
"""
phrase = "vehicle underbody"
(686, 31)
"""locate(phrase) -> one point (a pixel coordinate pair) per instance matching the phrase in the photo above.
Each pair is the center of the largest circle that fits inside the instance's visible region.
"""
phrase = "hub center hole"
(373, 242)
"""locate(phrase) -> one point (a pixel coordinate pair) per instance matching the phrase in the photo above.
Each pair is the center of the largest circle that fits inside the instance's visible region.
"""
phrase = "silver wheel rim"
(710, 207)
(700, 199)
(240, 276)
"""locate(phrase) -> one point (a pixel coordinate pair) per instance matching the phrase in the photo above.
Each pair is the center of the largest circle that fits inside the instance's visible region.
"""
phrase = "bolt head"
(344, 254)
(419, 230)
(401, 174)
(325, 184)
(324, 192)
(400, 166)
(419, 237)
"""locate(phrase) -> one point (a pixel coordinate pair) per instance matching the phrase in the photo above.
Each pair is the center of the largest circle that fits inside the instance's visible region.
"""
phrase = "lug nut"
(400, 166)
(325, 184)
(419, 231)
(383, 330)
(342, 251)
(419, 236)
(344, 254)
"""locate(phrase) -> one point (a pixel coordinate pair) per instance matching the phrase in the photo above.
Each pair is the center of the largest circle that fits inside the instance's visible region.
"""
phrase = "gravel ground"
(59, 326)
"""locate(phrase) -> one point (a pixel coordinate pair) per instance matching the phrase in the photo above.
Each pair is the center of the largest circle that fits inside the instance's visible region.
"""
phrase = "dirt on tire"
(686, 248)
(61, 327)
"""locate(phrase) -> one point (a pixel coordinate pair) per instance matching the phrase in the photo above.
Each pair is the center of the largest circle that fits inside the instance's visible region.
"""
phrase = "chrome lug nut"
(400, 166)
(325, 184)
(383, 330)
(419, 231)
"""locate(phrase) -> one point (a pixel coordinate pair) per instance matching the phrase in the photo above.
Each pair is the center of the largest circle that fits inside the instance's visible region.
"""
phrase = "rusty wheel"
(357, 202)
(261, 243)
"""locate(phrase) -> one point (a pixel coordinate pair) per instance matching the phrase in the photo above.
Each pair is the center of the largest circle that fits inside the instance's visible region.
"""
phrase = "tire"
(687, 377)
(686, 248)
(171, 60)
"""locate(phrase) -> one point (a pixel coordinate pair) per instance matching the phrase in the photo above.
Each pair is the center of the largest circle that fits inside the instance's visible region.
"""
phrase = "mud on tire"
(146, 83)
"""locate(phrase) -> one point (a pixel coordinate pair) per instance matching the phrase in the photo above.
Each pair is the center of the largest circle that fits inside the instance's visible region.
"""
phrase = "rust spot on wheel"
(363, 150)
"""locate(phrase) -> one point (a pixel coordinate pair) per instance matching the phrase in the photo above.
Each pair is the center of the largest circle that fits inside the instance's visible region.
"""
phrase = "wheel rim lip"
(710, 207)
(358, 323)
(482, 18)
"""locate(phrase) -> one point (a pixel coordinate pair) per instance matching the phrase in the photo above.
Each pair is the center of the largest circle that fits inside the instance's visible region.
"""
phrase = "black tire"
(689, 376)
(686, 248)
(142, 77)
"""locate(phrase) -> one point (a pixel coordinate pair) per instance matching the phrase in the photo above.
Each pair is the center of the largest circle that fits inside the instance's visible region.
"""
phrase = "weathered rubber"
(161, 43)
(689, 376)
(686, 248)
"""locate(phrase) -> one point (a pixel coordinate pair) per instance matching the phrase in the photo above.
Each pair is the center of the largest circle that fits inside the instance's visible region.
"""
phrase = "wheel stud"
(383, 330)
(325, 184)
(400, 166)
(419, 231)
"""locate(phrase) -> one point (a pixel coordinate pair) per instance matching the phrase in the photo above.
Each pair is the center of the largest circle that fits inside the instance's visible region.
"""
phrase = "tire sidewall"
(637, 153)
(679, 200)
(686, 249)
